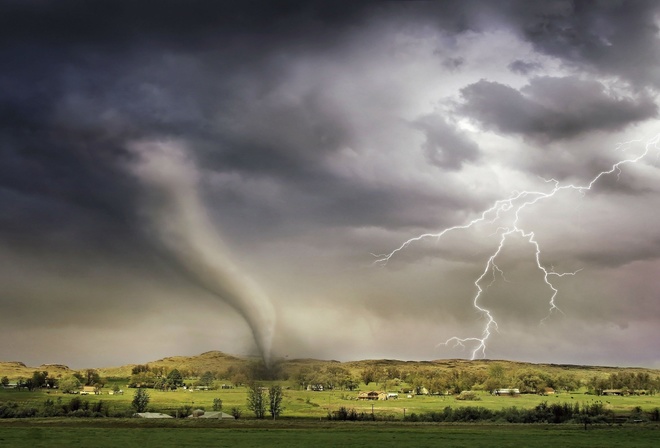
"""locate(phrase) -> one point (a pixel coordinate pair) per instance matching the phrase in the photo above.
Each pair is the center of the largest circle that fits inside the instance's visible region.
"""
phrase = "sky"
(232, 176)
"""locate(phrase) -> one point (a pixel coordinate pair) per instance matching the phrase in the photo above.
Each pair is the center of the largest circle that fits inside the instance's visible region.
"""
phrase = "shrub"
(468, 395)
(655, 415)
(236, 412)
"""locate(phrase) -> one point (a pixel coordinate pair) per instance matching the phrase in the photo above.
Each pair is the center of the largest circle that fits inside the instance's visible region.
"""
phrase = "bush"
(184, 411)
(8, 409)
(468, 395)
(471, 414)
(236, 412)
(344, 413)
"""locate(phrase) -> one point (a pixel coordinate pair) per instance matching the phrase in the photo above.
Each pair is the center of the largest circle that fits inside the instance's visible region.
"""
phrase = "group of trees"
(155, 378)
(625, 381)
(328, 377)
(75, 407)
(261, 399)
(434, 380)
(162, 379)
(68, 384)
(542, 413)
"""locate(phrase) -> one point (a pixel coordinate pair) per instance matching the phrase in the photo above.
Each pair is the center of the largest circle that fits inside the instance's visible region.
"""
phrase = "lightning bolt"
(496, 214)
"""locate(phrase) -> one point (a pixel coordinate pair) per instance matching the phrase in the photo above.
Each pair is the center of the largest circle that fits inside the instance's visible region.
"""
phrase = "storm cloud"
(311, 135)
(550, 108)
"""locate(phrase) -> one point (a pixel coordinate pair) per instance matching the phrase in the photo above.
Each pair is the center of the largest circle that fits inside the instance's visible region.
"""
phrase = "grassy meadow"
(317, 404)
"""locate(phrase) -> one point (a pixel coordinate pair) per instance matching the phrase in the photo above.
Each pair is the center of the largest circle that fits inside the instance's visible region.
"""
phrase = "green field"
(315, 405)
(17, 433)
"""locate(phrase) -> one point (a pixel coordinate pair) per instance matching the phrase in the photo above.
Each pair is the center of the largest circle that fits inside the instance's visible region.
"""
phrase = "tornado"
(178, 219)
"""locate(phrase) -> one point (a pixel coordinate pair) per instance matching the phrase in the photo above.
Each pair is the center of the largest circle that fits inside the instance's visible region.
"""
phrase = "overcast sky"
(208, 175)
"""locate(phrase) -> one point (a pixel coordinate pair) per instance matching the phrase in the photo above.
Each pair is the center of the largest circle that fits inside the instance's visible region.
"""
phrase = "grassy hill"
(216, 361)
(17, 369)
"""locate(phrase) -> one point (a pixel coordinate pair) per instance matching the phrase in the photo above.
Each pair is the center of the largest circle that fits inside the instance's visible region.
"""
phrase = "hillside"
(17, 369)
(216, 361)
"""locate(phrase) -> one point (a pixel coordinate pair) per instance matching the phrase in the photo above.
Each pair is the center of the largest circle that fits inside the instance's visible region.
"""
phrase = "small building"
(513, 391)
(372, 395)
(151, 415)
(199, 413)
(612, 392)
(87, 390)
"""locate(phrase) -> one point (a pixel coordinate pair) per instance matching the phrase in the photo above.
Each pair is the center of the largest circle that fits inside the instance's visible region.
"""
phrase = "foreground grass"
(304, 433)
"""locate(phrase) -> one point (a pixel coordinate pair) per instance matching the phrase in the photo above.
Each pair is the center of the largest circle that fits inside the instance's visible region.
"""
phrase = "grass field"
(308, 404)
(18, 433)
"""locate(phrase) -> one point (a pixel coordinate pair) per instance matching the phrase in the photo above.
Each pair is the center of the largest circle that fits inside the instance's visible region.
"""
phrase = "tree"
(531, 381)
(39, 379)
(174, 379)
(92, 377)
(4, 381)
(206, 379)
(496, 377)
(352, 383)
(143, 379)
(140, 368)
(275, 401)
(140, 400)
(368, 375)
(69, 384)
(256, 401)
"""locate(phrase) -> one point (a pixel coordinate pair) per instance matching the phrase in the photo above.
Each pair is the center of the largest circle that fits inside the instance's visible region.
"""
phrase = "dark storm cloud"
(453, 64)
(524, 68)
(445, 146)
(172, 23)
(551, 108)
(315, 130)
(609, 37)
(83, 79)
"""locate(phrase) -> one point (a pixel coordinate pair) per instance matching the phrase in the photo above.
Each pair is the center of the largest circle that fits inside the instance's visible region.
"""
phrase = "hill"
(17, 369)
(216, 361)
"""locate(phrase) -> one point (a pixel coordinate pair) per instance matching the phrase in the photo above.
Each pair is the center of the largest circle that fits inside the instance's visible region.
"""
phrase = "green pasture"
(35, 433)
(315, 405)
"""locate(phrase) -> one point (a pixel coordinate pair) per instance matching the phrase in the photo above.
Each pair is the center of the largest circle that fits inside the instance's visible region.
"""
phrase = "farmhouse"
(372, 395)
(86, 390)
(612, 392)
